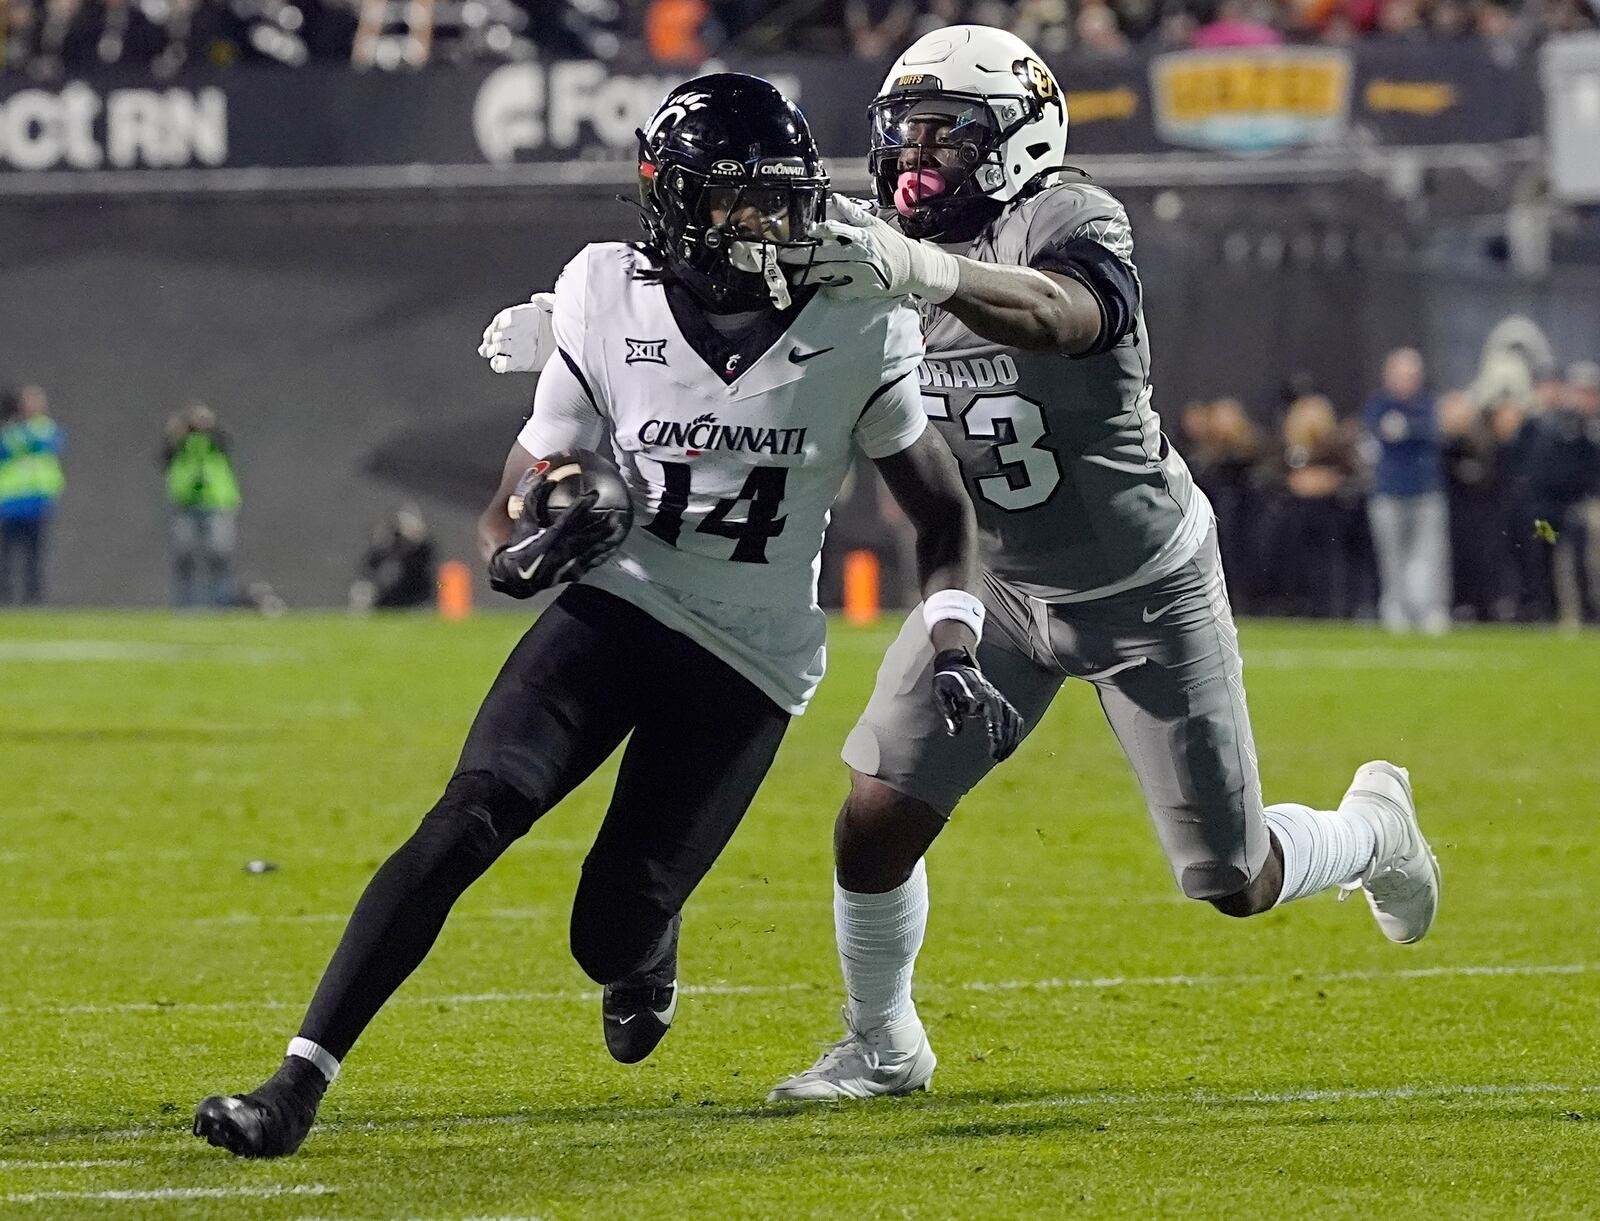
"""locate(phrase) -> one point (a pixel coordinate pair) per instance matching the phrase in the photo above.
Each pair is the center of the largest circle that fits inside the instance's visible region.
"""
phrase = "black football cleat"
(270, 1121)
(637, 1011)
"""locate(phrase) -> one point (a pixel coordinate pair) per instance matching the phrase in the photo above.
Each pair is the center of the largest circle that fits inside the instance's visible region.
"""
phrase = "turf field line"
(1394, 1093)
(462, 998)
(178, 1134)
(87, 1163)
(1203, 981)
(168, 1193)
(747, 908)
(1010, 985)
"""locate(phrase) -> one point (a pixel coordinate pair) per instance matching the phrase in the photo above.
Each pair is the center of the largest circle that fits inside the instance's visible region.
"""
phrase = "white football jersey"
(733, 447)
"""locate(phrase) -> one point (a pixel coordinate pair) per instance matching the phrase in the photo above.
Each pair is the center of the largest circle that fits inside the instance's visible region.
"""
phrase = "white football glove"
(521, 339)
(862, 256)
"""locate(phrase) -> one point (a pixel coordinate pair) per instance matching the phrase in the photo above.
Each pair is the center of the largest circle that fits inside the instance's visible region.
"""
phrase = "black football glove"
(961, 691)
(534, 559)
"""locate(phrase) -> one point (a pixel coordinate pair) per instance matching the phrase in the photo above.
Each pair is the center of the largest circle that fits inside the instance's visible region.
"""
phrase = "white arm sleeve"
(564, 417)
(894, 418)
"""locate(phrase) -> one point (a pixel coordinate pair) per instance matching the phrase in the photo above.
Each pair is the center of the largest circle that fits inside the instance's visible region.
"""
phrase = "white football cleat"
(1402, 883)
(863, 1064)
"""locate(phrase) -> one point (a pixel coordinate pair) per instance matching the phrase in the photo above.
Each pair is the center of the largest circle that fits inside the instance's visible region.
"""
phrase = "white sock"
(878, 938)
(317, 1054)
(1321, 848)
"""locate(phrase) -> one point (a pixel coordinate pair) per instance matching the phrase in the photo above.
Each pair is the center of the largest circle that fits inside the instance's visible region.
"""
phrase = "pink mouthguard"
(916, 186)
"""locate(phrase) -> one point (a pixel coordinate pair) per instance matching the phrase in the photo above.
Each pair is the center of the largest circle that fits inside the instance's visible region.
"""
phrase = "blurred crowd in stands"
(1481, 503)
(46, 38)
(1416, 509)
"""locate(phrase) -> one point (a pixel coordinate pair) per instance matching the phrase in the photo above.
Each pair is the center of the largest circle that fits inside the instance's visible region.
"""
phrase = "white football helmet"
(967, 118)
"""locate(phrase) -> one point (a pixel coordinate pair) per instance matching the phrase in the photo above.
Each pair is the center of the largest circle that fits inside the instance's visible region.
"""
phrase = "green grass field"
(1106, 1048)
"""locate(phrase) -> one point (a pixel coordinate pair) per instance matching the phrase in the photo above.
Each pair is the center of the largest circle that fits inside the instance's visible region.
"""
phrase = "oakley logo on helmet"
(646, 351)
(727, 167)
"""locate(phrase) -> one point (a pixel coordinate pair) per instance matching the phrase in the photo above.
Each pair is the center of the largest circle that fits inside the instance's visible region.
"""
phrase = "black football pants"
(591, 671)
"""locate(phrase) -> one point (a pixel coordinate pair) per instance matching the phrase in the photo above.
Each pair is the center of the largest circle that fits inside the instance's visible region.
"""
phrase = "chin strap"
(761, 258)
(772, 274)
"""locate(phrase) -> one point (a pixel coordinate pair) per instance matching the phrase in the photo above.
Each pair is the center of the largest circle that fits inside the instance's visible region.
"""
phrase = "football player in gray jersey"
(1100, 553)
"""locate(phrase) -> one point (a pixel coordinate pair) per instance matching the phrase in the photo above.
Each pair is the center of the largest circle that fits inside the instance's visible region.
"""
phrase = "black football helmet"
(728, 175)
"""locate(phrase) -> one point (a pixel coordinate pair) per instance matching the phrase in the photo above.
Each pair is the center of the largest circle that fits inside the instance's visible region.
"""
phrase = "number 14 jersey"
(733, 447)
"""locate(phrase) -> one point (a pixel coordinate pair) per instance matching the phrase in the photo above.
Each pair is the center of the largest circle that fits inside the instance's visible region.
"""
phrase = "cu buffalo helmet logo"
(1037, 79)
(646, 351)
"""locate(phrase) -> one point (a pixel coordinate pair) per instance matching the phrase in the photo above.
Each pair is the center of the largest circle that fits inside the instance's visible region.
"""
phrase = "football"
(555, 483)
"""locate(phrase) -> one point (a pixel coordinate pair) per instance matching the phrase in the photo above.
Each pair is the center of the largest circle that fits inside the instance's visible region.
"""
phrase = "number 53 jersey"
(733, 447)
(1079, 494)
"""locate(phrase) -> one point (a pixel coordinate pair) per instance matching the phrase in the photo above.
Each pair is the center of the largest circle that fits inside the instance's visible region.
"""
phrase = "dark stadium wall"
(336, 340)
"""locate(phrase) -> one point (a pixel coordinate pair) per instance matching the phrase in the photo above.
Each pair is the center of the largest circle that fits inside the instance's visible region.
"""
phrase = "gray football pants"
(1165, 662)
(1411, 535)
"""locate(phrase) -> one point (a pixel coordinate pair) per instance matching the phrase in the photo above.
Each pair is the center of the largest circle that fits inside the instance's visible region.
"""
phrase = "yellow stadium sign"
(1097, 105)
(1410, 97)
(1251, 101)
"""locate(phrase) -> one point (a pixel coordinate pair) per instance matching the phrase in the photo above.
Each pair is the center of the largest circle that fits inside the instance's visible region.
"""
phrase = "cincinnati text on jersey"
(704, 433)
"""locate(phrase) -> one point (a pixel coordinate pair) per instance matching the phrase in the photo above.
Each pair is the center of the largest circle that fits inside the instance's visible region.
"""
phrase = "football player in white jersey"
(1100, 555)
(731, 401)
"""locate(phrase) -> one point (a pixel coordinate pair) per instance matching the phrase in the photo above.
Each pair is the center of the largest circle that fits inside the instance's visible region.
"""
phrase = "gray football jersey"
(1078, 493)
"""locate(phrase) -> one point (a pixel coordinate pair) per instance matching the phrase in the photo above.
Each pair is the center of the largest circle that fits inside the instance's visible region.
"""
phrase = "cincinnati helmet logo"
(645, 351)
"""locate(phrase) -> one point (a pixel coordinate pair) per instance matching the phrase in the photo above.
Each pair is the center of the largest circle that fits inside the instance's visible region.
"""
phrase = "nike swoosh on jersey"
(797, 357)
(1150, 616)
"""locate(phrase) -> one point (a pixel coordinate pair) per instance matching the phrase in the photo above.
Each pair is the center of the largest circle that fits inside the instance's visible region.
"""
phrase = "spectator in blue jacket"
(1409, 509)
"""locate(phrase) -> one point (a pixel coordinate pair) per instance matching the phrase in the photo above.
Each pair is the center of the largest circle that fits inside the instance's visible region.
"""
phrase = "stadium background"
(313, 249)
(210, 199)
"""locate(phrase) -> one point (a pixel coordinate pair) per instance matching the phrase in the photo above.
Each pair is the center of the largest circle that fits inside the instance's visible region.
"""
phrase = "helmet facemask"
(721, 231)
(938, 158)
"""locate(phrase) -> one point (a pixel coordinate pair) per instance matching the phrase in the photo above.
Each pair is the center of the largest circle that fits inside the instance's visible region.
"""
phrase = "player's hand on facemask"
(861, 256)
(963, 693)
(536, 558)
(521, 339)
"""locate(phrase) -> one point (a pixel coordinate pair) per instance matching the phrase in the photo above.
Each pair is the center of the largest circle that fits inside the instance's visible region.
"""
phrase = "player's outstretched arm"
(859, 255)
(1022, 307)
(926, 482)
